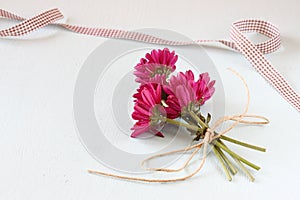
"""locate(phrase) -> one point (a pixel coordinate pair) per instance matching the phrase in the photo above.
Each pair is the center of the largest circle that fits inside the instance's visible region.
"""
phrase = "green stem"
(222, 163)
(243, 143)
(197, 119)
(175, 122)
(234, 155)
(189, 121)
(228, 162)
(244, 170)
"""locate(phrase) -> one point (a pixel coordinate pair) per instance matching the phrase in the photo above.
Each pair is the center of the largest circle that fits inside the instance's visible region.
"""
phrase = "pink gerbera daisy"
(156, 67)
(183, 90)
(148, 110)
(204, 88)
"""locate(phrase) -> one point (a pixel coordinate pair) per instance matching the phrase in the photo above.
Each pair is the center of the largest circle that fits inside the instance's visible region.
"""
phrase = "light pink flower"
(204, 88)
(184, 90)
(156, 67)
(146, 110)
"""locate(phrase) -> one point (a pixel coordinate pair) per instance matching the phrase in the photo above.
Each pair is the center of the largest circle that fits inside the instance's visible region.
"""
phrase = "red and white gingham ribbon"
(238, 41)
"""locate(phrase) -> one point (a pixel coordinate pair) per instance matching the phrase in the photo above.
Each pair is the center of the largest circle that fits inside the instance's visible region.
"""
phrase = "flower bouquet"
(177, 99)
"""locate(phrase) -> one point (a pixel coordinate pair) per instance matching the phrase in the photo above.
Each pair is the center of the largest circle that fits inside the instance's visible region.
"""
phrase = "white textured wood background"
(41, 156)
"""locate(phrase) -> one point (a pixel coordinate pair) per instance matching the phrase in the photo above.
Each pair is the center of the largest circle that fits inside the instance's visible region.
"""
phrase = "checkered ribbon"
(238, 41)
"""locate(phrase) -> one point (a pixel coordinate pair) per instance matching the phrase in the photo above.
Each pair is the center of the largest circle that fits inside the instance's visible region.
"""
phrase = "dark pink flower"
(172, 107)
(148, 109)
(183, 90)
(156, 67)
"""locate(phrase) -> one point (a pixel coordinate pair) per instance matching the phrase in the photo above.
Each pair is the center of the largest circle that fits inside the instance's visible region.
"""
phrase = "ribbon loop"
(260, 63)
(263, 27)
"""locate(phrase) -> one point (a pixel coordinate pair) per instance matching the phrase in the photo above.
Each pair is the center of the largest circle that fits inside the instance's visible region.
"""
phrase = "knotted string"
(209, 138)
(238, 41)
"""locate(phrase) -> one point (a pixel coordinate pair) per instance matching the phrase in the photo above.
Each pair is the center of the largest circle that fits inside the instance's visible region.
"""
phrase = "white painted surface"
(41, 155)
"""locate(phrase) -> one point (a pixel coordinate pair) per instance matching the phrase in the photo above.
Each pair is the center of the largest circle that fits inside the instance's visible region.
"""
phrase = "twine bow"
(210, 136)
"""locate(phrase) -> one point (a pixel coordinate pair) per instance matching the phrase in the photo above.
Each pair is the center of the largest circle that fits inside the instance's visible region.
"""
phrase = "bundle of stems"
(197, 125)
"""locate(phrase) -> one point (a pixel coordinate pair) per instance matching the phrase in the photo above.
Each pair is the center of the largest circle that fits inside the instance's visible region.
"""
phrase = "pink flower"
(173, 108)
(184, 90)
(156, 67)
(204, 88)
(148, 109)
